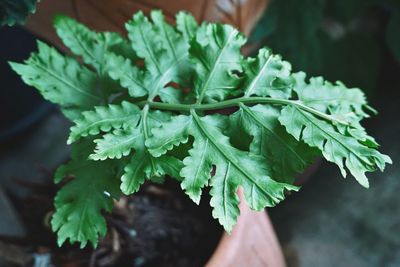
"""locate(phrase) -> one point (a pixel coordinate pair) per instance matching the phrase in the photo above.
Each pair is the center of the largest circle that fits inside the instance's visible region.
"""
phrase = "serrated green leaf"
(130, 77)
(94, 48)
(216, 53)
(91, 46)
(164, 51)
(79, 204)
(120, 142)
(144, 42)
(286, 156)
(197, 170)
(280, 119)
(224, 200)
(117, 144)
(344, 151)
(187, 25)
(131, 143)
(331, 98)
(61, 80)
(173, 41)
(239, 168)
(348, 105)
(104, 119)
(267, 75)
(142, 166)
(162, 47)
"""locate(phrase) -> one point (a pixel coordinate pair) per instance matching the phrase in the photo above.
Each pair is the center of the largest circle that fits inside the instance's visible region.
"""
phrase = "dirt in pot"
(158, 226)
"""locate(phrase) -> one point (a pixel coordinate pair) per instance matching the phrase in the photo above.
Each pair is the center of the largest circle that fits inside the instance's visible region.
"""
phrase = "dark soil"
(158, 226)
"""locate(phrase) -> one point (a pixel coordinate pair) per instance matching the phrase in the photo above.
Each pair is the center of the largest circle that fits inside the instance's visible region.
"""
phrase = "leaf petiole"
(236, 102)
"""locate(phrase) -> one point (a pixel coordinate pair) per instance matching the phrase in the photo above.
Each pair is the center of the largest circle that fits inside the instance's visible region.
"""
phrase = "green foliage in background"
(15, 11)
(144, 108)
(393, 31)
(335, 38)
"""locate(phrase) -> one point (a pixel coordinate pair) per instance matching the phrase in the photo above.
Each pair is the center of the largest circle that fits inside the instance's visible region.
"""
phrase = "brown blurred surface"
(111, 15)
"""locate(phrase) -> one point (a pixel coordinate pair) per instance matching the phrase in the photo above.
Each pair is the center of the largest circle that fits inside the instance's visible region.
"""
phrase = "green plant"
(15, 11)
(138, 120)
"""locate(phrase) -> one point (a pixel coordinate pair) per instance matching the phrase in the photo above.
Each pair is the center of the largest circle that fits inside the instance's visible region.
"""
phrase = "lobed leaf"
(284, 153)
(129, 76)
(234, 167)
(79, 204)
(61, 80)
(187, 25)
(267, 75)
(104, 119)
(335, 99)
(142, 166)
(164, 50)
(123, 135)
(91, 46)
(344, 151)
(216, 54)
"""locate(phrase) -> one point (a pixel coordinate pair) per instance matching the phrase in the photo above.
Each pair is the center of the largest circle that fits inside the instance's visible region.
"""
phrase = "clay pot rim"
(232, 246)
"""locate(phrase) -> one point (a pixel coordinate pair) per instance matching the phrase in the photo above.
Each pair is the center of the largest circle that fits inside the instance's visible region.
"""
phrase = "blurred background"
(332, 221)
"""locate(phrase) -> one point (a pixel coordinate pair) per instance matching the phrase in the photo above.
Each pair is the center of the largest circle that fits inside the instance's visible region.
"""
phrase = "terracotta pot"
(253, 241)
(111, 15)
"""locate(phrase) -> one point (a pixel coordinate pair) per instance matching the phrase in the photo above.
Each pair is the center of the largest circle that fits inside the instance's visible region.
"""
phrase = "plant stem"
(236, 102)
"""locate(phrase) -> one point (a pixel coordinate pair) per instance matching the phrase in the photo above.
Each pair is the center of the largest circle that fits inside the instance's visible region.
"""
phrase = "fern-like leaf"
(105, 119)
(146, 111)
(91, 46)
(268, 75)
(215, 52)
(187, 25)
(336, 99)
(60, 79)
(344, 151)
(234, 167)
(286, 155)
(79, 204)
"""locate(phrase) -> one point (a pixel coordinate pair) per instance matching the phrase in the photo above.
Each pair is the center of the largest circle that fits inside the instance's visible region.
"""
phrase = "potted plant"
(143, 109)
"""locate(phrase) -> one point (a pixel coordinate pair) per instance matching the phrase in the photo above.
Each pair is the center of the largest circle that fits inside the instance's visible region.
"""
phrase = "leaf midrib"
(149, 51)
(160, 83)
(333, 137)
(60, 79)
(169, 41)
(145, 130)
(199, 166)
(255, 80)
(85, 50)
(226, 176)
(134, 174)
(257, 120)
(124, 119)
(207, 135)
(121, 145)
(214, 67)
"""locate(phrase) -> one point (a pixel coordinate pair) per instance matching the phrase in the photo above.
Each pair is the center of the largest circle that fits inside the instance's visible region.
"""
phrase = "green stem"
(145, 112)
(236, 102)
(146, 134)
